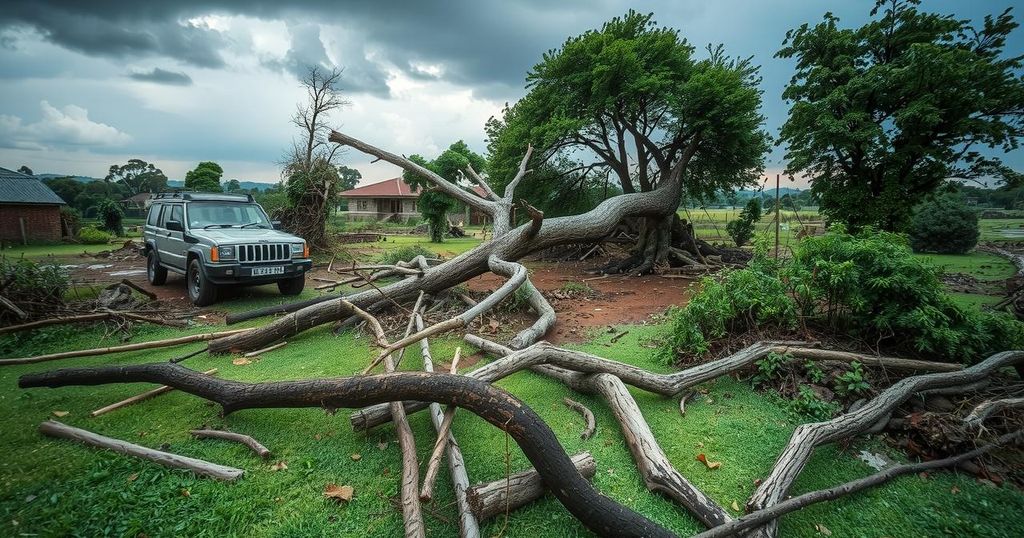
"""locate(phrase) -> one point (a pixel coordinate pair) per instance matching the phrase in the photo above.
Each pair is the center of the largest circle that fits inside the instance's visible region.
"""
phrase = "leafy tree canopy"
(882, 114)
(204, 178)
(348, 178)
(630, 100)
(137, 176)
(233, 186)
(435, 205)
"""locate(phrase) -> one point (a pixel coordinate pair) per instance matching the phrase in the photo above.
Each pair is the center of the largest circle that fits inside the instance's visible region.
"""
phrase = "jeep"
(217, 240)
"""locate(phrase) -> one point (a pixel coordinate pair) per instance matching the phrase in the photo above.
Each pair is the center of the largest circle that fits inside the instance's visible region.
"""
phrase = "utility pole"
(777, 215)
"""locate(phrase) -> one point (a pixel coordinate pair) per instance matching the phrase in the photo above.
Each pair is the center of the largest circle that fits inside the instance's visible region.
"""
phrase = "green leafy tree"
(434, 205)
(233, 186)
(204, 178)
(882, 114)
(25, 170)
(111, 217)
(944, 225)
(66, 187)
(742, 229)
(137, 176)
(348, 178)
(631, 100)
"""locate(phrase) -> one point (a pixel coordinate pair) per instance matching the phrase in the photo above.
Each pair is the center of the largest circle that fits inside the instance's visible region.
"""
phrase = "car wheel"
(292, 286)
(154, 271)
(201, 291)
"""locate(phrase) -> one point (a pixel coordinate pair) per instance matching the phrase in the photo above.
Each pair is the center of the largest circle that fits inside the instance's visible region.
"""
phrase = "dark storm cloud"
(162, 76)
(485, 44)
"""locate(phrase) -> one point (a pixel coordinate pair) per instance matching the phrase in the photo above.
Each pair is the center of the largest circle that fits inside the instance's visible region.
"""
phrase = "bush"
(742, 229)
(944, 225)
(867, 286)
(36, 287)
(92, 235)
(111, 217)
(404, 254)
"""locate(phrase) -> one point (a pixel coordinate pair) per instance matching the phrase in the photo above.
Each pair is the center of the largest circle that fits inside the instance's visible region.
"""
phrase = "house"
(136, 206)
(394, 200)
(29, 210)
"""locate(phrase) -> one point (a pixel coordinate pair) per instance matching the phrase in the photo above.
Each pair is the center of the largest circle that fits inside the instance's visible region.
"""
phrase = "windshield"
(226, 215)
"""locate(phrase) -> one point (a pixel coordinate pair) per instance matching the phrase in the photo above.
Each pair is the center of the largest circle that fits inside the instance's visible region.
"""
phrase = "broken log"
(988, 407)
(434, 463)
(139, 397)
(52, 428)
(469, 526)
(127, 347)
(140, 289)
(588, 417)
(507, 494)
(4, 301)
(807, 437)
(736, 527)
(600, 514)
(246, 440)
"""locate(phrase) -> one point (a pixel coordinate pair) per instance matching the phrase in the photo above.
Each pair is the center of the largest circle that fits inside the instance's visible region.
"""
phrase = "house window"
(414, 206)
(362, 205)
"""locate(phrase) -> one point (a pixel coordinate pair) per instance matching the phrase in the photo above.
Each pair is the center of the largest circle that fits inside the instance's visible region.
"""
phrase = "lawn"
(981, 265)
(55, 487)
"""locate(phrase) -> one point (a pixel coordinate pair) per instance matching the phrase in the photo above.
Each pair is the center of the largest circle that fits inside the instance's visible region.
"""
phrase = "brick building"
(29, 210)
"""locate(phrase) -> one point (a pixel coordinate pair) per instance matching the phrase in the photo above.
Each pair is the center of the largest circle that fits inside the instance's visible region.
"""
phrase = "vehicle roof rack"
(203, 196)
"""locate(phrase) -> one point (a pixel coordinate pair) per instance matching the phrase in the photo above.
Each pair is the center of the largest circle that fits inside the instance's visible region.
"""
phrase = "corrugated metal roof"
(16, 188)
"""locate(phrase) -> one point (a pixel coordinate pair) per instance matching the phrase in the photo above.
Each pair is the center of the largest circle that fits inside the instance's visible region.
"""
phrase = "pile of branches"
(391, 396)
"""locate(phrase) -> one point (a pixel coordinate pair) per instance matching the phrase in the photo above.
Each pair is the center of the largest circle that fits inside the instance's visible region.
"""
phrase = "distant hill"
(173, 183)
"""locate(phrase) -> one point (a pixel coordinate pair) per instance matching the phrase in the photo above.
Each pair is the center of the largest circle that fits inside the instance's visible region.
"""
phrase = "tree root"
(600, 514)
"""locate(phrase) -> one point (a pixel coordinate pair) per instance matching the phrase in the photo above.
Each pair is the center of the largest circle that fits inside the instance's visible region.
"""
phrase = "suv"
(220, 239)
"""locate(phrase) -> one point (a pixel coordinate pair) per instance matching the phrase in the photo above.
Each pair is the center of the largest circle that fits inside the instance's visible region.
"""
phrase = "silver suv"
(220, 239)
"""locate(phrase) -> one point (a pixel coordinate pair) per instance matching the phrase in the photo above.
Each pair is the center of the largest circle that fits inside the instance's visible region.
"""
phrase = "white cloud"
(69, 126)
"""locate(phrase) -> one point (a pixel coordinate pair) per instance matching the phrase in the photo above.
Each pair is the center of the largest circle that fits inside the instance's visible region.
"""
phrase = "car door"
(171, 243)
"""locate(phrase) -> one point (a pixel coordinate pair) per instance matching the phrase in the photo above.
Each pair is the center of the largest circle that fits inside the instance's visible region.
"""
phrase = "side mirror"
(175, 226)
(276, 224)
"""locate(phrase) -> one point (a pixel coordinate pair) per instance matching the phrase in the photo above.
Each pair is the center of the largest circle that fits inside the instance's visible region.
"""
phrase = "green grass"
(56, 487)
(57, 250)
(1001, 229)
(980, 265)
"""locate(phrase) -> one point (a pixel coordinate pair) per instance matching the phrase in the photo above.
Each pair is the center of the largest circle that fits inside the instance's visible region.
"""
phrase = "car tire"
(156, 273)
(292, 286)
(201, 291)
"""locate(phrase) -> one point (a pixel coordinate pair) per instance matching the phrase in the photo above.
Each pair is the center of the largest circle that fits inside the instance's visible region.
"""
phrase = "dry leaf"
(383, 445)
(357, 457)
(341, 493)
(735, 506)
(241, 361)
(186, 493)
(822, 529)
(317, 437)
(133, 477)
(279, 466)
(954, 490)
(60, 414)
(710, 464)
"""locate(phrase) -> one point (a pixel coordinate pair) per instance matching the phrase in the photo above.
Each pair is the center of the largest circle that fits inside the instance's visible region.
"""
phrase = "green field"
(55, 487)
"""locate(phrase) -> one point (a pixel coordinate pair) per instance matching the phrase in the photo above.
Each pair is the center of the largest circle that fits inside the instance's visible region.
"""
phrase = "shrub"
(92, 235)
(37, 287)
(944, 225)
(868, 286)
(111, 217)
(742, 229)
(404, 254)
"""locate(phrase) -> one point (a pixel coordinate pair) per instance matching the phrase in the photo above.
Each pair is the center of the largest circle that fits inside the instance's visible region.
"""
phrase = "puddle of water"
(1012, 233)
(69, 266)
(129, 272)
(99, 266)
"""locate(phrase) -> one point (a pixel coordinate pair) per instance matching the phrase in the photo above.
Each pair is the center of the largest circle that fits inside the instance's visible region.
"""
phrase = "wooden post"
(24, 236)
(777, 215)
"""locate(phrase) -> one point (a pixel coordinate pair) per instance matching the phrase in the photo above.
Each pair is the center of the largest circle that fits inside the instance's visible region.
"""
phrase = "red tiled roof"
(394, 187)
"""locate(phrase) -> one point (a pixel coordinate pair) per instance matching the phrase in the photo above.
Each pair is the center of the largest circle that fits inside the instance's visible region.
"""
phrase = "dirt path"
(618, 299)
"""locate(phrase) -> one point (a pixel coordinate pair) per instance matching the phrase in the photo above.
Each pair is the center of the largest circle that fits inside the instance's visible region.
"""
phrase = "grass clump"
(91, 235)
(403, 254)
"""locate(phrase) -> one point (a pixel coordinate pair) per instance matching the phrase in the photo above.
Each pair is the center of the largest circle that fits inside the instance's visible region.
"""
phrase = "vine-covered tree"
(310, 175)
(137, 176)
(205, 177)
(433, 204)
(742, 229)
(882, 114)
(632, 100)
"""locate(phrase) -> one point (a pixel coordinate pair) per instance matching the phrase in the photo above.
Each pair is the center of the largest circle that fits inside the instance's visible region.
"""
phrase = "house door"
(396, 206)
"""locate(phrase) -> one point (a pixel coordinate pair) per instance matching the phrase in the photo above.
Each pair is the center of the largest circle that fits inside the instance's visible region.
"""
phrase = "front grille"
(264, 252)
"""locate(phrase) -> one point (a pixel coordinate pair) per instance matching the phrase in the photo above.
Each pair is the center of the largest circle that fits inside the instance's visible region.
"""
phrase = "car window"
(154, 214)
(226, 214)
(176, 213)
(165, 215)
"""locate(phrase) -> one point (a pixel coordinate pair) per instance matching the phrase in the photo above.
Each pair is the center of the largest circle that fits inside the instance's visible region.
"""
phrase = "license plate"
(275, 270)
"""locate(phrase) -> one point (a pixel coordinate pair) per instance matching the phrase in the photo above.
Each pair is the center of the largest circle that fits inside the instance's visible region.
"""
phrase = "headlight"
(299, 249)
(226, 253)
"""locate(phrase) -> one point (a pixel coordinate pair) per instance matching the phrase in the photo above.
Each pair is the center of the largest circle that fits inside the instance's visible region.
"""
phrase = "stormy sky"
(84, 85)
